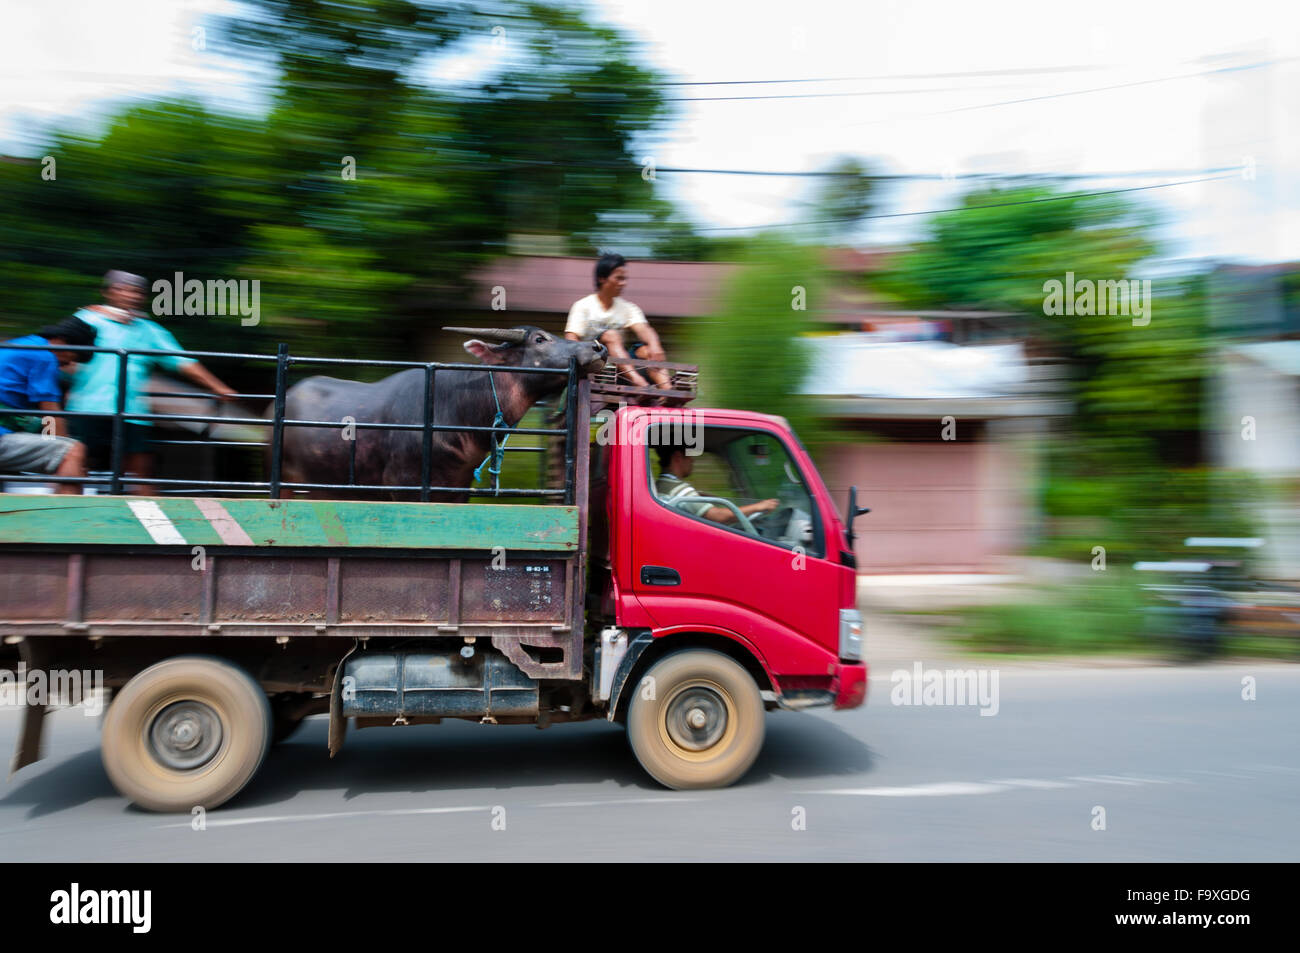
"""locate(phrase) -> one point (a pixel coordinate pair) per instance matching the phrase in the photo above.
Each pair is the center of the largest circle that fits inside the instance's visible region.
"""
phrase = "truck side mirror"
(853, 512)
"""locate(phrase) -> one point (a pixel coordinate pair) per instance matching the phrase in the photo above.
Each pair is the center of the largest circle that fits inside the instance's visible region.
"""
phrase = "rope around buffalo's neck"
(498, 451)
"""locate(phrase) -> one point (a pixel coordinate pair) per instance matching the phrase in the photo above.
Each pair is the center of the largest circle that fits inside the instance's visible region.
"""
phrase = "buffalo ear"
(483, 351)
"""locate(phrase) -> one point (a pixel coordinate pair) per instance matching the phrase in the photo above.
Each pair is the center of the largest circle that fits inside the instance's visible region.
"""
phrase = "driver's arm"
(720, 514)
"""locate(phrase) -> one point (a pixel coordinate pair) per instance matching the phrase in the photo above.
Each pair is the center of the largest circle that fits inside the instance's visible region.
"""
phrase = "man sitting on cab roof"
(605, 315)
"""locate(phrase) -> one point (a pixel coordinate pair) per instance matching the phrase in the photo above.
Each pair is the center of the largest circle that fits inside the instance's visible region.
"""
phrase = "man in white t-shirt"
(604, 316)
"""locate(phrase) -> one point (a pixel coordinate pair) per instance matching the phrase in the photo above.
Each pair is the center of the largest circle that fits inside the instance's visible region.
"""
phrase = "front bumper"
(844, 687)
(850, 684)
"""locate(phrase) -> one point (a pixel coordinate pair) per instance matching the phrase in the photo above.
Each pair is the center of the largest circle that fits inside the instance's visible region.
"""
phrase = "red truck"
(218, 621)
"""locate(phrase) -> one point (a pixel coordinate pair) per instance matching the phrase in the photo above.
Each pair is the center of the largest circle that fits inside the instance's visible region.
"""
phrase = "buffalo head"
(527, 346)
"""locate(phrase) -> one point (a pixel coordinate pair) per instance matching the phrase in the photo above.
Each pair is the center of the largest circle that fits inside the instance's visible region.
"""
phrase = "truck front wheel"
(696, 720)
(188, 732)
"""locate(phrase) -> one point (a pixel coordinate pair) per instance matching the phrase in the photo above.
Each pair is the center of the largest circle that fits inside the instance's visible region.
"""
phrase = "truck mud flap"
(338, 720)
(28, 749)
(639, 644)
(29, 739)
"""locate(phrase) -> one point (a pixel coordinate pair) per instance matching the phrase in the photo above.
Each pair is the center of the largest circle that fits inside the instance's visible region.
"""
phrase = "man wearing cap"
(29, 380)
(120, 323)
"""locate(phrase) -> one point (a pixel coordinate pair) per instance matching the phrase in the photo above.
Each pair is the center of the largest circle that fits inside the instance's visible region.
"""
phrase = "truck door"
(700, 559)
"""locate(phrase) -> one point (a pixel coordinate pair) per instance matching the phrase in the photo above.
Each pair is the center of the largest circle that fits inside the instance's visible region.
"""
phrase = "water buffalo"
(462, 397)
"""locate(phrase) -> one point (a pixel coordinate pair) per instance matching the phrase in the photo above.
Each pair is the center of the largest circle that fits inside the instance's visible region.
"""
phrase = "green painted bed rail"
(186, 521)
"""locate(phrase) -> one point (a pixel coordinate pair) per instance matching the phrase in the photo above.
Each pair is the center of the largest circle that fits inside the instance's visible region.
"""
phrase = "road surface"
(1183, 767)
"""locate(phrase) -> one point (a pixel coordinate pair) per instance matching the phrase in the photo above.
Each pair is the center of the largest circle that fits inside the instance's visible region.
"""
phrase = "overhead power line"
(1094, 89)
(970, 208)
(1141, 82)
(837, 95)
(963, 74)
(938, 176)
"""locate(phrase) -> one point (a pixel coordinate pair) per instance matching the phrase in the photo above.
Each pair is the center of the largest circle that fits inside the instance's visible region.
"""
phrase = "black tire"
(188, 732)
(701, 725)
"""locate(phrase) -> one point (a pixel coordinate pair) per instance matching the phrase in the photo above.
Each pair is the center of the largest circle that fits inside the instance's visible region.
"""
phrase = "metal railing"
(115, 479)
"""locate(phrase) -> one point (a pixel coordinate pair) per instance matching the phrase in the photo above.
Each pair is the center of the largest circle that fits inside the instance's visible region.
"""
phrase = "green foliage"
(1145, 513)
(1126, 474)
(1102, 615)
(749, 353)
(349, 265)
(845, 196)
(149, 195)
(996, 251)
(1104, 612)
(1135, 386)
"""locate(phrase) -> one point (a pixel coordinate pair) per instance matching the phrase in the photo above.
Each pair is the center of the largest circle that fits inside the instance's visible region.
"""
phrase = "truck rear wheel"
(188, 732)
(696, 720)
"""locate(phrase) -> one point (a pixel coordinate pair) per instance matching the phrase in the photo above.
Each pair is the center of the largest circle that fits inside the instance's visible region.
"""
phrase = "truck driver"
(675, 465)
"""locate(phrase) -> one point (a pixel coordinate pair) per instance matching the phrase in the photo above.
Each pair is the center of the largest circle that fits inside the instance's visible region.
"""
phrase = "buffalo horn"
(511, 335)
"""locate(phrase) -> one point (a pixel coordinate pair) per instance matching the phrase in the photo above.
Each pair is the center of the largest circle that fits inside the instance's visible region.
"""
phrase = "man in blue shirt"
(121, 324)
(29, 380)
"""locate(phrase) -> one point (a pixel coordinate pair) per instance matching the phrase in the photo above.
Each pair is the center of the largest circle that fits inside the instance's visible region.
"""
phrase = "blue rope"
(498, 449)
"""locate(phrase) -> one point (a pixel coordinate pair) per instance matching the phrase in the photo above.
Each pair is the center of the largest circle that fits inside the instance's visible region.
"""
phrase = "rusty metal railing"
(115, 478)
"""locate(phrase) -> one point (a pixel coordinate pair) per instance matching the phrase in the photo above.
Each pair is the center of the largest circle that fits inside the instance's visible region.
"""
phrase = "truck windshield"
(742, 478)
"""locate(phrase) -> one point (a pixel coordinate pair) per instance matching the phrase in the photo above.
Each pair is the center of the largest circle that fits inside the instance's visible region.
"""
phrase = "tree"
(365, 198)
(999, 250)
(845, 196)
(1137, 388)
(750, 352)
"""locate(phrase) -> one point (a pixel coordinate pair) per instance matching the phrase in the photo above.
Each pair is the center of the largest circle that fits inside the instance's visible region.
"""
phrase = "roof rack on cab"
(609, 389)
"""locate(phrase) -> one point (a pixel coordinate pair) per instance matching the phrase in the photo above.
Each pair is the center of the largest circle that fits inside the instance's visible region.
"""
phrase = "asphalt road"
(1184, 768)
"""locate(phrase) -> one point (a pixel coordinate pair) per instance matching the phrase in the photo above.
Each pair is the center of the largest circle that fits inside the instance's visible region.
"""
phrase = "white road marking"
(1105, 779)
(932, 789)
(958, 788)
(155, 521)
(630, 800)
(290, 818)
(1035, 783)
(399, 812)
(941, 789)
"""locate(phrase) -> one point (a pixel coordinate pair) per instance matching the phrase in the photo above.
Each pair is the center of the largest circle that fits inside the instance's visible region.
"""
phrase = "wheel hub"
(697, 718)
(185, 735)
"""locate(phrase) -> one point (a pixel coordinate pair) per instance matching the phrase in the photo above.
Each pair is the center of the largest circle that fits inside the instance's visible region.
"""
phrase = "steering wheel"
(741, 519)
(775, 521)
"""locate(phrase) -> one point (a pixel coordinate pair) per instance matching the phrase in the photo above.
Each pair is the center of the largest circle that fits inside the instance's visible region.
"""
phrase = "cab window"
(742, 479)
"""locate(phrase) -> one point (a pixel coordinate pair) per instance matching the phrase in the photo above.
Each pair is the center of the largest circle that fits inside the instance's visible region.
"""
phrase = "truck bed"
(117, 567)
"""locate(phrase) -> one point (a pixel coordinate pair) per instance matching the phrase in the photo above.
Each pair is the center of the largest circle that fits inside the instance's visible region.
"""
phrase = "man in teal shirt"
(121, 324)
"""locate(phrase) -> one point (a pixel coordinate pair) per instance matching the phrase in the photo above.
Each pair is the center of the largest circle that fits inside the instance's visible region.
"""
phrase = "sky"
(1108, 90)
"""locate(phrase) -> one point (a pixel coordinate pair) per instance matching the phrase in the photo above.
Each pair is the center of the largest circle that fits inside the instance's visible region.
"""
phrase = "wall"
(935, 506)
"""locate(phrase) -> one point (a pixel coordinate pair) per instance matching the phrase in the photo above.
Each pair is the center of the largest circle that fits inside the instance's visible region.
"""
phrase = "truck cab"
(772, 592)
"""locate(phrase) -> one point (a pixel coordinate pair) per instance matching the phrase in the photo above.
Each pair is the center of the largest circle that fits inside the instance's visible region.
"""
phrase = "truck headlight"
(850, 635)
